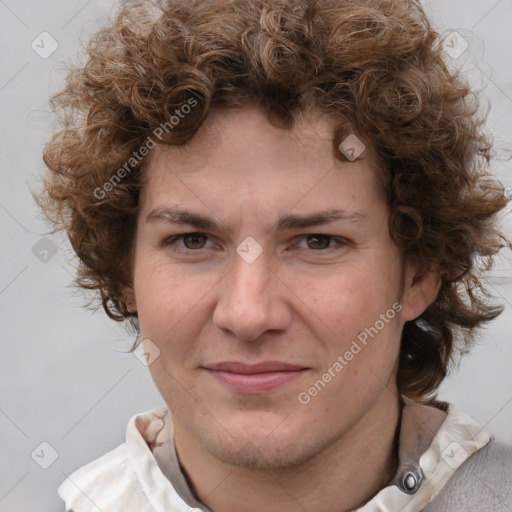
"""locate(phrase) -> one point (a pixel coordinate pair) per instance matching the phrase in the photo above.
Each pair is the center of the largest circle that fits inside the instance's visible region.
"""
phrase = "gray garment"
(483, 483)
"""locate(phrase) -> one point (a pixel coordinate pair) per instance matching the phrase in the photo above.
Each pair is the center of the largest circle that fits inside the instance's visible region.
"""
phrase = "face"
(260, 260)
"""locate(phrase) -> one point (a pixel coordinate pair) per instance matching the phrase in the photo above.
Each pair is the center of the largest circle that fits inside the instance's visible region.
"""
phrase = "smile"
(255, 379)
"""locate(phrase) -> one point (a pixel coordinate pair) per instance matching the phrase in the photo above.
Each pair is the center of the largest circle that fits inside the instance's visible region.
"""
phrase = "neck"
(342, 477)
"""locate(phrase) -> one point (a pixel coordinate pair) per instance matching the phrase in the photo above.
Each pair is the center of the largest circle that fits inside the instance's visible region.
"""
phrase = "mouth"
(253, 379)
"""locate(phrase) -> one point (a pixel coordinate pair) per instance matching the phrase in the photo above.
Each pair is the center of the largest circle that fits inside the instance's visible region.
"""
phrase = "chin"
(253, 445)
(264, 455)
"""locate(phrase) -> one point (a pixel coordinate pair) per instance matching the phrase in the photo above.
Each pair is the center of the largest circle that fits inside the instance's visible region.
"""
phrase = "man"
(288, 200)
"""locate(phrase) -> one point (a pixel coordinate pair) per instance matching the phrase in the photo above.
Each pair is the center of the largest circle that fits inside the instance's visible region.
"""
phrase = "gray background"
(64, 377)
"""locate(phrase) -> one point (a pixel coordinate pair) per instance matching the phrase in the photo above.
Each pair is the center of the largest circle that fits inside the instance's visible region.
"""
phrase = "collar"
(434, 440)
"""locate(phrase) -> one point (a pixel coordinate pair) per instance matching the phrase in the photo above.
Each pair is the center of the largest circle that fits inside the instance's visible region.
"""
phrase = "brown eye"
(318, 242)
(194, 240)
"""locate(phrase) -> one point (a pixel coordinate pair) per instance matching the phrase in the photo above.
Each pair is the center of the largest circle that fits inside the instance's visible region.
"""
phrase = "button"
(410, 482)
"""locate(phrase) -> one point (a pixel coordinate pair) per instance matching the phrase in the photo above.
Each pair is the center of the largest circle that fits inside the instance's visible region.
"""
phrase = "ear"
(130, 300)
(420, 290)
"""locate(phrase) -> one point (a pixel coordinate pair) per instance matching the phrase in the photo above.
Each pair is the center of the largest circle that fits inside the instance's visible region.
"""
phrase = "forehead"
(239, 154)
(226, 134)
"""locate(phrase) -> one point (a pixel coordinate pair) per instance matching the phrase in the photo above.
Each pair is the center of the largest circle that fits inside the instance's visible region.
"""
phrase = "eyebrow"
(289, 221)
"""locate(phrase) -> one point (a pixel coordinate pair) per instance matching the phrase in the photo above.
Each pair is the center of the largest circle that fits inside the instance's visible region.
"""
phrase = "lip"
(252, 379)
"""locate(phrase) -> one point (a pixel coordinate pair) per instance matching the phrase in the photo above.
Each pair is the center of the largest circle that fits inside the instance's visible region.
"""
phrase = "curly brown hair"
(376, 65)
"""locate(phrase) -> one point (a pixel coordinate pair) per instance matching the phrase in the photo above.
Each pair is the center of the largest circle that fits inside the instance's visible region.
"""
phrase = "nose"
(252, 301)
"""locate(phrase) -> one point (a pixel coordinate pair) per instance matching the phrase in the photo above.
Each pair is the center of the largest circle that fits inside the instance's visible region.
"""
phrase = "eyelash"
(340, 242)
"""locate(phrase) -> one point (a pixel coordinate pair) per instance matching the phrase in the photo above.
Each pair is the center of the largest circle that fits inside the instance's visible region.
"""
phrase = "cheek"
(166, 296)
(171, 314)
(341, 299)
(349, 303)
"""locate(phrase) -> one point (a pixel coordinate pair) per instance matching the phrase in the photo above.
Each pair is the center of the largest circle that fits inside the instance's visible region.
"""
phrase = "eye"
(190, 241)
(320, 242)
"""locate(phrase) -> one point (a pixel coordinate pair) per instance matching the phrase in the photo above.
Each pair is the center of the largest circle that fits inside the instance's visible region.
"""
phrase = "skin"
(302, 301)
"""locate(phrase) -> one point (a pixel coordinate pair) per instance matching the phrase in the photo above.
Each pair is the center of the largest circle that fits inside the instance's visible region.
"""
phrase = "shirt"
(447, 462)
